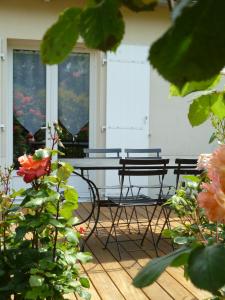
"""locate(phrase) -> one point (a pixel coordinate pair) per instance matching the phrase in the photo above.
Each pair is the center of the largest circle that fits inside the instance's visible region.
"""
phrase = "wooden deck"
(111, 278)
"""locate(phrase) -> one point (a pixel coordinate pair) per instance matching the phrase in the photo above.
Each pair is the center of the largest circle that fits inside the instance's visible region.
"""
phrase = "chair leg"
(112, 227)
(151, 231)
(166, 223)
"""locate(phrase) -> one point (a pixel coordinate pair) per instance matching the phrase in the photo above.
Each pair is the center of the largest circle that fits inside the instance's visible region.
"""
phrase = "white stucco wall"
(169, 127)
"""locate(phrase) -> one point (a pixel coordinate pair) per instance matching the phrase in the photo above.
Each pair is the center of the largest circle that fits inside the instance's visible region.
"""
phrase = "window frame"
(51, 92)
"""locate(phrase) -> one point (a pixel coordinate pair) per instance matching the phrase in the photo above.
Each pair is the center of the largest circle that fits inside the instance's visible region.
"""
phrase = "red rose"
(32, 169)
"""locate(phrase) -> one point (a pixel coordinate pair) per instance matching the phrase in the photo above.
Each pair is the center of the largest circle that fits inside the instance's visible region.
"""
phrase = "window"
(35, 105)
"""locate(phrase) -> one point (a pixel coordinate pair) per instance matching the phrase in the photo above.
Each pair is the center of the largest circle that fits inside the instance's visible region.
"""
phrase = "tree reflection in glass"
(29, 104)
(73, 106)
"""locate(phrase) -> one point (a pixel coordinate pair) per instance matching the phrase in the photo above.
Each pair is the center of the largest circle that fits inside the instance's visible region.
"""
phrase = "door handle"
(2, 126)
(103, 129)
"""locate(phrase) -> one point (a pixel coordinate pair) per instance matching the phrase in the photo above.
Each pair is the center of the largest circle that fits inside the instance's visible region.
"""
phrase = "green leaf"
(212, 138)
(72, 236)
(20, 232)
(84, 282)
(56, 223)
(140, 5)
(180, 240)
(83, 293)
(73, 221)
(84, 257)
(67, 209)
(218, 106)
(192, 50)
(15, 194)
(61, 37)
(71, 195)
(206, 267)
(64, 171)
(180, 260)
(102, 25)
(155, 268)
(41, 154)
(199, 110)
(191, 178)
(194, 86)
(36, 202)
(36, 280)
(70, 258)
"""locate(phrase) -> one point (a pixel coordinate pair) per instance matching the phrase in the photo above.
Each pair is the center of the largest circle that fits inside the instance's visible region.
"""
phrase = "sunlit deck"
(111, 278)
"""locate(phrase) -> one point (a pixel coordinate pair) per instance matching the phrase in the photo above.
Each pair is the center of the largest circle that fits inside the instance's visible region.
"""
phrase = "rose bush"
(200, 205)
(39, 247)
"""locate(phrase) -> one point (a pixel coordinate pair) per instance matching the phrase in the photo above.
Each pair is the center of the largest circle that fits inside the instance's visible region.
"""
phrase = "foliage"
(181, 55)
(39, 248)
(199, 204)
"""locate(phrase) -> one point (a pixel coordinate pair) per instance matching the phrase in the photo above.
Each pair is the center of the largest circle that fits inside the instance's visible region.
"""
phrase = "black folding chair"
(152, 168)
(185, 166)
(147, 153)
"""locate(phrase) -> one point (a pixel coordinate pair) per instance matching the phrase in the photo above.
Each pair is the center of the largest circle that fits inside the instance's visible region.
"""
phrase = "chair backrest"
(102, 152)
(138, 153)
(185, 166)
(143, 167)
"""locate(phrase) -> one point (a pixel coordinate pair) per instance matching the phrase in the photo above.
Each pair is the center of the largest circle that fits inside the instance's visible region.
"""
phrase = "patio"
(111, 278)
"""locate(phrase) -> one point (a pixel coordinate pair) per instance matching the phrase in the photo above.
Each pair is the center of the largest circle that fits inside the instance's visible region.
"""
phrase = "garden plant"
(39, 248)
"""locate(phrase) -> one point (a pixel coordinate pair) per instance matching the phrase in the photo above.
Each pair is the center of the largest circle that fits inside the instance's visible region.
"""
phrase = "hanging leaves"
(140, 5)
(102, 25)
(61, 37)
(203, 106)
(155, 267)
(206, 267)
(193, 48)
(194, 86)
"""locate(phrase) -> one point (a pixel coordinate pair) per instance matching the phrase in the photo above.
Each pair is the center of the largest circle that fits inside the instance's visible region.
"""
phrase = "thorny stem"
(56, 230)
(198, 224)
(217, 232)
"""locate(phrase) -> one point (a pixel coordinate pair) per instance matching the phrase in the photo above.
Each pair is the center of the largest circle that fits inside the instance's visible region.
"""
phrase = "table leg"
(96, 203)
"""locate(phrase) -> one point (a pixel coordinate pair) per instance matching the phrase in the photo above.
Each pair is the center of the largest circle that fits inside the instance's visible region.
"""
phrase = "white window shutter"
(128, 95)
(127, 101)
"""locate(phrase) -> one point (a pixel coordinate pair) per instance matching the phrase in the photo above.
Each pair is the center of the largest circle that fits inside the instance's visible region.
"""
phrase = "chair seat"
(140, 200)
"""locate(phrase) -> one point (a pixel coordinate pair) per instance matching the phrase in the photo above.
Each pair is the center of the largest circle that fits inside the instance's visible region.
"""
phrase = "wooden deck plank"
(132, 267)
(116, 272)
(102, 281)
(92, 289)
(177, 273)
(170, 285)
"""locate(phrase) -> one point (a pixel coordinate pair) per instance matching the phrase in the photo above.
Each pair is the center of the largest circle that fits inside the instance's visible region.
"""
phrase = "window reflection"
(73, 107)
(29, 104)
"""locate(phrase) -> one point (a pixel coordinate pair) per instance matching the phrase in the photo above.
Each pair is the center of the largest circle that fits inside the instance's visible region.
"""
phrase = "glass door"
(73, 103)
(29, 103)
(35, 105)
(42, 95)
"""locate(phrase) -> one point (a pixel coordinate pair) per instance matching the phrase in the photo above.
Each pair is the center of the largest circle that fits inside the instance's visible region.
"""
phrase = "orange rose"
(32, 169)
(212, 199)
